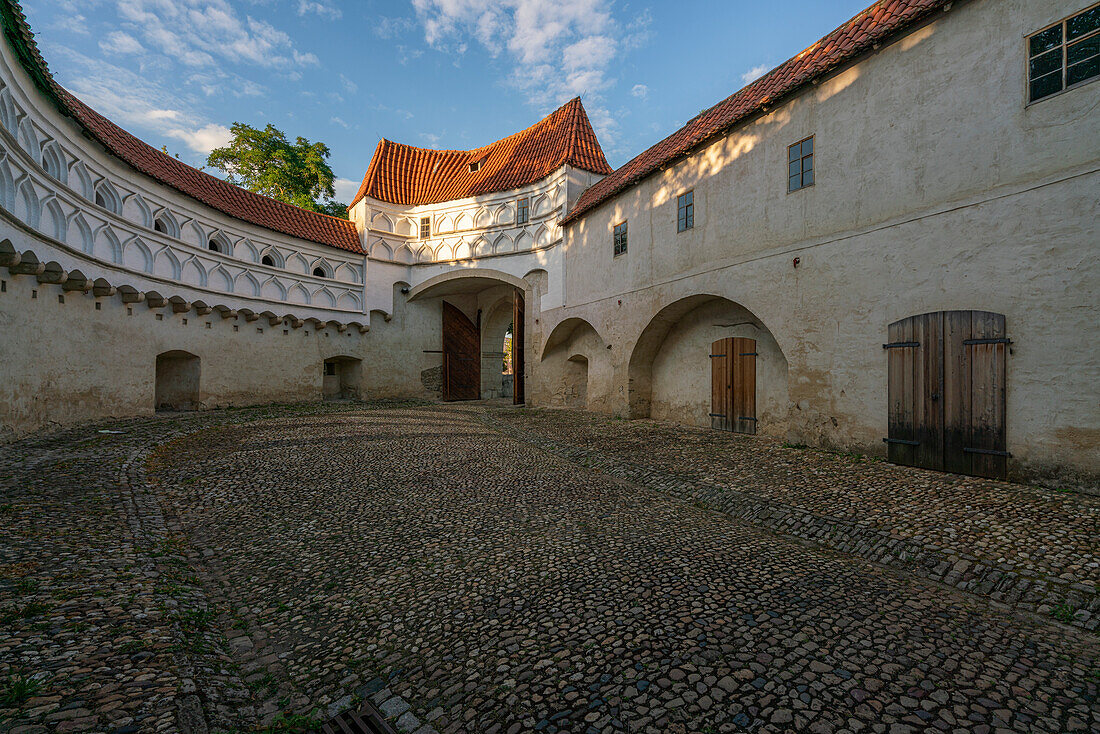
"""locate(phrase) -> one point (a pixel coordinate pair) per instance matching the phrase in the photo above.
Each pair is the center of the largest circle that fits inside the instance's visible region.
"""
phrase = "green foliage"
(16, 689)
(1063, 613)
(266, 162)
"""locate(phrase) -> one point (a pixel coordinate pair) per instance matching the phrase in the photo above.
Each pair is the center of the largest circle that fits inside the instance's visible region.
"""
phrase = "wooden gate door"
(733, 385)
(461, 356)
(517, 347)
(946, 391)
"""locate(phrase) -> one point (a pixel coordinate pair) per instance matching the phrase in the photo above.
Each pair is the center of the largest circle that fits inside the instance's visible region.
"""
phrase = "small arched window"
(320, 272)
(160, 226)
(108, 198)
(165, 223)
(219, 243)
(268, 260)
(214, 245)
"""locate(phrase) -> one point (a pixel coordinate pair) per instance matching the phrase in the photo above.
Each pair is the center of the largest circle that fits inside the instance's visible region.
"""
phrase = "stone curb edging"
(999, 581)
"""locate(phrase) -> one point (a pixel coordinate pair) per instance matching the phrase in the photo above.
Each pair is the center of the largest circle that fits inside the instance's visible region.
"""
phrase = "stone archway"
(177, 380)
(574, 358)
(670, 367)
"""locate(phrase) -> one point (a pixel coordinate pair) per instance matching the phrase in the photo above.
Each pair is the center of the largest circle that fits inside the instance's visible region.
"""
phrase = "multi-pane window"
(523, 210)
(1064, 54)
(425, 228)
(620, 239)
(800, 164)
(685, 211)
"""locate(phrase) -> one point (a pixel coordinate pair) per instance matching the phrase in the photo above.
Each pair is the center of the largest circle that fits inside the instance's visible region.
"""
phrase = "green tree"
(266, 162)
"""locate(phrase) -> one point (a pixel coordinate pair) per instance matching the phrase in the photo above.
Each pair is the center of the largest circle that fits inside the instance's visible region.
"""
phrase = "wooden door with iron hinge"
(946, 392)
(461, 355)
(733, 385)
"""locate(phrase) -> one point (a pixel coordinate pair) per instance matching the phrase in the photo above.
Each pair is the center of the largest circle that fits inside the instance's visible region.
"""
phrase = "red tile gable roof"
(142, 157)
(859, 35)
(409, 176)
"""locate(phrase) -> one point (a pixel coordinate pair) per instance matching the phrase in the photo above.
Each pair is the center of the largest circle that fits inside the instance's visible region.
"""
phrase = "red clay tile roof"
(883, 19)
(142, 157)
(408, 176)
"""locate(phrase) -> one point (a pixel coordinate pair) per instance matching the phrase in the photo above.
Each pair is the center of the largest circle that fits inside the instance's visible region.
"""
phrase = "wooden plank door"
(743, 382)
(733, 385)
(461, 355)
(518, 342)
(915, 391)
(721, 385)
(975, 348)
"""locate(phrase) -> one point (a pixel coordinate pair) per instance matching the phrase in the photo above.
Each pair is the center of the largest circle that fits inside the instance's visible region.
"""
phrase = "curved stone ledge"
(52, 273)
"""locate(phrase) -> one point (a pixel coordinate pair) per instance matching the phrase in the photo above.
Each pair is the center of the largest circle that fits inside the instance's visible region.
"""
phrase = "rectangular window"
(685, 211)
(620, 239)
(1064, 54)
(800, 164)
(330, 369)
(425, 228)
(522, 210)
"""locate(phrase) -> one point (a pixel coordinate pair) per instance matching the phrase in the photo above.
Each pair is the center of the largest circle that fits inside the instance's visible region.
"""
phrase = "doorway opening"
(177, 381)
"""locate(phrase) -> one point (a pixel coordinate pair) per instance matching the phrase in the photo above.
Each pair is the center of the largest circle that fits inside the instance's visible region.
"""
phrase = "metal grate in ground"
(365, 720)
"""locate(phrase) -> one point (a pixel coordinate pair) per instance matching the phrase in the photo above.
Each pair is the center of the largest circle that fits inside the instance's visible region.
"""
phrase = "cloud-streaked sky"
(434, 73)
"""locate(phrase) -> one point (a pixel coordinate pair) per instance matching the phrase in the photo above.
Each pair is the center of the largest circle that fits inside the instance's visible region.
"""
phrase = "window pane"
(690, 197)
(1046, 85)
(690, 218)
(1086, 22)
(1046, 40)
(807, 178)
(794, 152)
(794, 168)
(795, 183)
(808, 163)
(1082, 50)
(1045, 64)
(1082, 71)
(807, 146)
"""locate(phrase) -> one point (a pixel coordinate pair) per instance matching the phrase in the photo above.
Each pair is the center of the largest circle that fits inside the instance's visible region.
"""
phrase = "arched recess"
(381, 250)
(497, 374)
(670, 371)
(53, 162)
(7, 186)
(219, 242)
(9, 112)
(464, 281)
(136, 210)
(194, 272)
(167, 265)
(28, 139)
(341, 378)
(177, 379)
(298, 294)
(107, 197)
(80, 180)
(27, 206)
(54, 221)
(523, 242)
(137, 256)
(347, 273)
(273, 290)
(574, 357)
(219, 279)
(80, 235)
(107, 247)
(167, 224)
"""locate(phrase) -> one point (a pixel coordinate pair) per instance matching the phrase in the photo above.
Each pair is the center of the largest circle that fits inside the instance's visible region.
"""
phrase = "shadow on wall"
(670, 369)
(177, 381)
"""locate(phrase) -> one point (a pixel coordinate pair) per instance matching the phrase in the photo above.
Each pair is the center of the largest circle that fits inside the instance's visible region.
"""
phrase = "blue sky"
(434, 73)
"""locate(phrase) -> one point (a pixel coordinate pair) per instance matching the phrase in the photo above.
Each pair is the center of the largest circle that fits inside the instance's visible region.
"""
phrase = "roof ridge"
(409, 175)
(842, 44)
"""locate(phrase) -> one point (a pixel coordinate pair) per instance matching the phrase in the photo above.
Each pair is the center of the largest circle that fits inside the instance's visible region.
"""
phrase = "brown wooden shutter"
(744, 385)
(461, 356)
(915, 391)
(733, 385)
(517, 347)
(721, 385)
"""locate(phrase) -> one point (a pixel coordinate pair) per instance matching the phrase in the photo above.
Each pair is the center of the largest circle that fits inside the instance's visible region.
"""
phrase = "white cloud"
(203, 139)
(321, 9)
(754, 73)
(388, 28)
(431, 139)
(340, 122)
(346, 189)
(349, 85)
(133, 101)
(640, 90)
(201, 32)
(118, 42)
(559, 48)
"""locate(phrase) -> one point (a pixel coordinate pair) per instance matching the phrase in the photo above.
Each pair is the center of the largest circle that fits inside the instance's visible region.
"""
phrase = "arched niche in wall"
(54, 221)
(80, 180)
(219, 279)
(137, 256)
(347, 272)
(107, 246)
(194, 272)
(167, 265)
(136, 210)
(9, 112)
(27, 206)
(80, 234)
(28, 139)
(219, 242)
(53, 162)
(107, 197)
(167, 224)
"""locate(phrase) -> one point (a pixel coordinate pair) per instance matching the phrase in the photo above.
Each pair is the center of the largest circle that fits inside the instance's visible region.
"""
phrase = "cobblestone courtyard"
(487, 569)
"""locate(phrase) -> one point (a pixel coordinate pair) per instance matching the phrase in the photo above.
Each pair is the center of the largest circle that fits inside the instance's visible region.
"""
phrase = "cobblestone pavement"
(1028, 546)
(468, 579)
